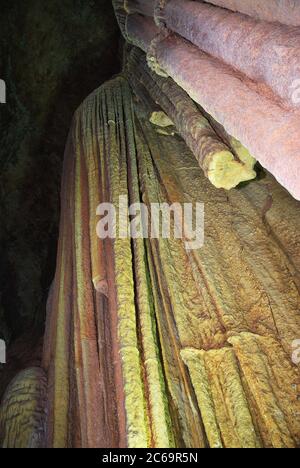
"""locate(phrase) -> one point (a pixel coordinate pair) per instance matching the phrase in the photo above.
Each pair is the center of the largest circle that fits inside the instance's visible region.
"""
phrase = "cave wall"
(53, 54)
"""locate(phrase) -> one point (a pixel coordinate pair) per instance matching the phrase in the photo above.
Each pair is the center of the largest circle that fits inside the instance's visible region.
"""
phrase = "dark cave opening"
(53, 55)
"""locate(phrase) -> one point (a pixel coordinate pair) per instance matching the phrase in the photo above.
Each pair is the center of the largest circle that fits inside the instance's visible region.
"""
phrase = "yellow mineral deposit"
(161, 119)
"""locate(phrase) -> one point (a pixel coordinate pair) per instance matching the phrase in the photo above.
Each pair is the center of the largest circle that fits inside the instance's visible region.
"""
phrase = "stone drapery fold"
(168, 354)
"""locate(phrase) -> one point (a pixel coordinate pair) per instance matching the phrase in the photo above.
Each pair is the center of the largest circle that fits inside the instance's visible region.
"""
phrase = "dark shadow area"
(53, 54)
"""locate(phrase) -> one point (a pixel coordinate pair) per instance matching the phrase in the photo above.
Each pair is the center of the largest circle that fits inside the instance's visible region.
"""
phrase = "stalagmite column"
(150, 343)
(23, 411)
(284, 11)
(97, 388)
(186, 348)
(222, 168)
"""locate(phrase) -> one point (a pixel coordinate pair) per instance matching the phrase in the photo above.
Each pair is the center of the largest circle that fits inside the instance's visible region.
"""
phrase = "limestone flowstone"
(183, 348)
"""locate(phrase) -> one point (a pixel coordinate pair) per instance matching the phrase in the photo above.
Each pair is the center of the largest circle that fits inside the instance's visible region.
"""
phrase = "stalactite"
(265, 52)
(268, 131)
(239, 150)
(222, 168)
(248, 111)
(284, 11)
(146, 7)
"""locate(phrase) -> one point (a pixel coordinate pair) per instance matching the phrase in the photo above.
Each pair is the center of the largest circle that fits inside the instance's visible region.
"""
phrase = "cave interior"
(134, 341)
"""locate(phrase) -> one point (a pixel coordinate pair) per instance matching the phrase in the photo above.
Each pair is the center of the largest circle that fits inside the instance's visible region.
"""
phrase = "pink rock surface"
(271, 133)
(146, 7)
(265, 52)
(141, 31)
(284, 11)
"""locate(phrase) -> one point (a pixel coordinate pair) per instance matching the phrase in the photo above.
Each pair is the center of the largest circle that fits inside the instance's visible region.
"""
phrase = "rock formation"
(264, 52)
(223, 166)
(149, 343)
(249, 110)
(168, 352)
(283, 11)
(23, 411)
(52, 56)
